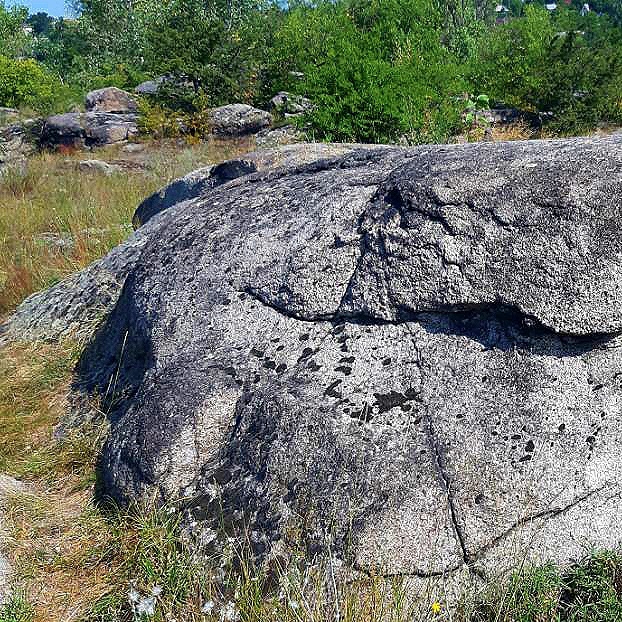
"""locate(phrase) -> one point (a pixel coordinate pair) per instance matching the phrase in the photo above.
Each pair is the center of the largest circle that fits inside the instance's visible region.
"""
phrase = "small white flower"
(156, 590)
(293, 604)
(208, 607)
(229, 613)
(133, 596)
(146, 606)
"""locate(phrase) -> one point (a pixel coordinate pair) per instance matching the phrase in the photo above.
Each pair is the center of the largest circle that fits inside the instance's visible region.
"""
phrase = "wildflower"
(133, 596)
(208, 607)
(146, 606)
(436, 608)
(293, 604)
(229, 613)
(156, 590)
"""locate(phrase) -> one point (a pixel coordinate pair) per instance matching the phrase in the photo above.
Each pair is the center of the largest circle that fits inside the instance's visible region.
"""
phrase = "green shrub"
(25, 83)
(377, 71)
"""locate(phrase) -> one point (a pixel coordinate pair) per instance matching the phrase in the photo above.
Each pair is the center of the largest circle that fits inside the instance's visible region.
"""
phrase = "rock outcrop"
(90, 129)
(110, 99)
(238, 120)
(413, 355)
(289, 105)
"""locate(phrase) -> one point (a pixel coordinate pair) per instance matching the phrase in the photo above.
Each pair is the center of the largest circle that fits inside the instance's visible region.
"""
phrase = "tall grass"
(55, 219)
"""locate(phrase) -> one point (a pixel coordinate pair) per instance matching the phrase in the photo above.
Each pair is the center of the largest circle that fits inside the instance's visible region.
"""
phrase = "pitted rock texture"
(238, 120)
(415, 354)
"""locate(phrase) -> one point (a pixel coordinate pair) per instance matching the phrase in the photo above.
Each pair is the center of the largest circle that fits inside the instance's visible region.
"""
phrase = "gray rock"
(412, 354)
(150, 87)
(76, 305)
(98, 166)
(284, 135)
(19, 141)
(202, 180)
(238, 120)
(285, 103)
(8, 115)
(110, 99)
(192, 185)
(90, 129)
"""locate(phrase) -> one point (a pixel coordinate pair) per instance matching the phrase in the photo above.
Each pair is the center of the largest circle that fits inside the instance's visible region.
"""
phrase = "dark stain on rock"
(331, 392)
(387, 401)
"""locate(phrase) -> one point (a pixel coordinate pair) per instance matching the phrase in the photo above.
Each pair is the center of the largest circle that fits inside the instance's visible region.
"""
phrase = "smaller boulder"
(284, 135)
(63, 130)
(149, 87)
(109, 128)
(238, 120)
(287, 104)
(112, 100)
(91, 129)
(98, 166)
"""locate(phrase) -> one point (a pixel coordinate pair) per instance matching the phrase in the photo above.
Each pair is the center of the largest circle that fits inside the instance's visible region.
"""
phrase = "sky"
(53, 7)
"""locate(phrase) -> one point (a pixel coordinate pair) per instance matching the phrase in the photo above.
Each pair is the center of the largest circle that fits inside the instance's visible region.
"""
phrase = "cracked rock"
(412, 353)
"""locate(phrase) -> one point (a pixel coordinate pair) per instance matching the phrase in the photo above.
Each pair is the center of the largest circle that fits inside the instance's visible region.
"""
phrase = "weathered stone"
(238, 120)
(192, 185)
(19, 141)
(413, 353)
(149, 87)
(98, 166)
(200, 181)
(285, 103)
(77, 304)
(284, 135)
(90, 129)
(110, 99)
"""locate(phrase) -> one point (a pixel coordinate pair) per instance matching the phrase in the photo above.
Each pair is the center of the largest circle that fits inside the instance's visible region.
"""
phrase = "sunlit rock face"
(414, 354)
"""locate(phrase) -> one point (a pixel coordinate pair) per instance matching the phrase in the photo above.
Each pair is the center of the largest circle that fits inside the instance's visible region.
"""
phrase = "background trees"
(377, 70)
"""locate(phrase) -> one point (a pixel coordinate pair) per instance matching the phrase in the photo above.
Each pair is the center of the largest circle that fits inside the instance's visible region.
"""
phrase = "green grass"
(17, 609)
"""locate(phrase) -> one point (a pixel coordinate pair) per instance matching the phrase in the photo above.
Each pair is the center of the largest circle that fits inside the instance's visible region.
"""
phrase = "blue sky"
(53, 7)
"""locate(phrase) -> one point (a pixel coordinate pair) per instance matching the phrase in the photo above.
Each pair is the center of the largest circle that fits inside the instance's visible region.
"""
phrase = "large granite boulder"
(91, 129)
(110, 99)
(238, 120)
(412, 357)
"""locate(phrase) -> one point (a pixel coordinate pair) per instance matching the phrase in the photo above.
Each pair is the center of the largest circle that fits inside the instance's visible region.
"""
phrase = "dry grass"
(55, 220)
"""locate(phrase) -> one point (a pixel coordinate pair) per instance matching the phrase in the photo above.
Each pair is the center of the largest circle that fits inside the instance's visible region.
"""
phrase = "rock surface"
(110, 99)
(78, 303)
(286, 104)
(19, 141)
(98, 166)
(238, 120)
(91, 129)
(413, 354)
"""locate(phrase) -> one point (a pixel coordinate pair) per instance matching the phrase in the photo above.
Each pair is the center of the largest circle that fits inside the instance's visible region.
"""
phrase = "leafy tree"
(41, 23)
(25, 83)
(216, 48)
(377, 70)
(14, 42)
